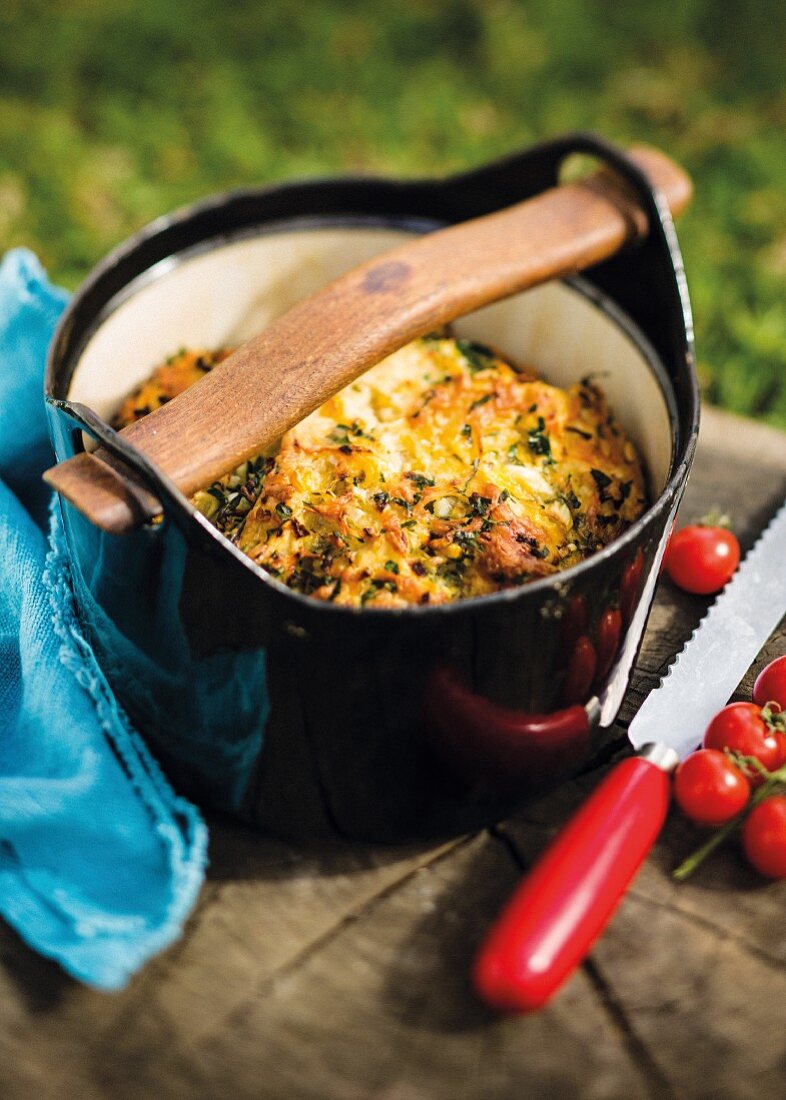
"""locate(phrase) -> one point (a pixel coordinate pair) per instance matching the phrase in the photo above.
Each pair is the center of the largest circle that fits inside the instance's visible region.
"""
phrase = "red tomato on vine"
(764, 837)
(709, 788)
(770, 686)
(746, 729)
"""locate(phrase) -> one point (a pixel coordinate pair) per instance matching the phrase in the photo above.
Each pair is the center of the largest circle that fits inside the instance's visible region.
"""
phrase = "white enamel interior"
(226, 295)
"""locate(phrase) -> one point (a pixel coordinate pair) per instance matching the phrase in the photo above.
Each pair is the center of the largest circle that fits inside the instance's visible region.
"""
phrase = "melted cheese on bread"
(443, 472)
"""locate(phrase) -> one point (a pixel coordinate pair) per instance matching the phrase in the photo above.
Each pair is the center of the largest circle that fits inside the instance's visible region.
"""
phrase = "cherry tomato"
(770, 686)
(609, 630)
(709, 788)
(740, 727)
(630, 582)
(764, 837)
(574, 623)
(702, 559)
(580, 672)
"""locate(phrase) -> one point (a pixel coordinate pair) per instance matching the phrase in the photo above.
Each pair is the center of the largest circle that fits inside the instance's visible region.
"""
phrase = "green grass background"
(112, 113)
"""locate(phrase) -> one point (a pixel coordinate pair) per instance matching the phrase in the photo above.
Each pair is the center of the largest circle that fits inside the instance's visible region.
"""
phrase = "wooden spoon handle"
(327, 340)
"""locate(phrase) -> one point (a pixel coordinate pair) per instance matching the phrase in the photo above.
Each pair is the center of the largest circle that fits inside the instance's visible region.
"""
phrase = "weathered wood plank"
(341, 970)
(376, 1003)
(411, 953)
(266, 902)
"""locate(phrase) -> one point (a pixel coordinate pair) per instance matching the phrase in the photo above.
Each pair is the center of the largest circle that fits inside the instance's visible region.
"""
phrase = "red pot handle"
(562, 906)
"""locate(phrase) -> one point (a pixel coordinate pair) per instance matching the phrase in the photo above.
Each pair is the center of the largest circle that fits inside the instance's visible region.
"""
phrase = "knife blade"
(721, 649)
(562, 906)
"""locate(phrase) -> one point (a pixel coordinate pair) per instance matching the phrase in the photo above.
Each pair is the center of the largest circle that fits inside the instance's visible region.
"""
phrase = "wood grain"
(339, 972)
(324, 342)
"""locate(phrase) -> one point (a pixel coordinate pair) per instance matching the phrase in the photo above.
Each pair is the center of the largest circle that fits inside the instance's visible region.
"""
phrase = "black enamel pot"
(304, 717)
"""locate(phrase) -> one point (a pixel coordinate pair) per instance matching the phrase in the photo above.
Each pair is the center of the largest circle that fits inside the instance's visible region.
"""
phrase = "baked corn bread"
(443, 472)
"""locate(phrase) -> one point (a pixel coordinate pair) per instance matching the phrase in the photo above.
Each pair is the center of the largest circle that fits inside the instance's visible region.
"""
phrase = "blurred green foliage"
(114, 112)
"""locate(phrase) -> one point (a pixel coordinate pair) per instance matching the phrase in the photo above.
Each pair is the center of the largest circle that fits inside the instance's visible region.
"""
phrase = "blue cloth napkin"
(100, 861)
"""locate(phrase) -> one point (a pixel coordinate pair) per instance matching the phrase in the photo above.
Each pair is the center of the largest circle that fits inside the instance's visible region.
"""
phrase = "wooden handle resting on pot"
(324, 342)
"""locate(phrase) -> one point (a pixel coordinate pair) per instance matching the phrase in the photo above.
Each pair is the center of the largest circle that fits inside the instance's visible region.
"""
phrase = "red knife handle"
(562, 906)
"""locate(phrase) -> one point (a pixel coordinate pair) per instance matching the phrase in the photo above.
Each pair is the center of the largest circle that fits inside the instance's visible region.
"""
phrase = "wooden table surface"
(340, 971)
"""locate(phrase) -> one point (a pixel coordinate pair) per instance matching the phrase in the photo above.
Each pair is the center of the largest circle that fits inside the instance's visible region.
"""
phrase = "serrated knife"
(562, 906)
